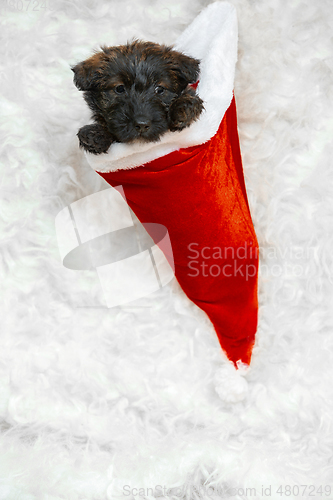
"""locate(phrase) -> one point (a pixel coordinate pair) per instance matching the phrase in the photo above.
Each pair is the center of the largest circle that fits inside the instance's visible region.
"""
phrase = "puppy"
(136, 92)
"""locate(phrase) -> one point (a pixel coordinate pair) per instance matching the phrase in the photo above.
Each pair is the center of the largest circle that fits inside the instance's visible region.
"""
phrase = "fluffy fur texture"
(216, 48)
(94, 399)
(136, 92)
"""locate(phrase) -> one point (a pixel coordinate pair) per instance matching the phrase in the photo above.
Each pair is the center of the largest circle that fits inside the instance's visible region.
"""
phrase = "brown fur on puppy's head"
(139, 91)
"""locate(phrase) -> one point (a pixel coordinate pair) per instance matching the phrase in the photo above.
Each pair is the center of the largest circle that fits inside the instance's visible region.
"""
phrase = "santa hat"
(192, 183)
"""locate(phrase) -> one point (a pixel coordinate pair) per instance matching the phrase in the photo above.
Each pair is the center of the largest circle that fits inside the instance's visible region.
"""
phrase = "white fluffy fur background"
(95, 399)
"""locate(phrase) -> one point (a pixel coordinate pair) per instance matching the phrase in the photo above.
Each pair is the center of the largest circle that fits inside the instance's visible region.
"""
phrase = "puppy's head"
(140, 90)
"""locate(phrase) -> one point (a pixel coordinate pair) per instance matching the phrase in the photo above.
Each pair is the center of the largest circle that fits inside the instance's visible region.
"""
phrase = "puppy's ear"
(88, 74)
(186, 67)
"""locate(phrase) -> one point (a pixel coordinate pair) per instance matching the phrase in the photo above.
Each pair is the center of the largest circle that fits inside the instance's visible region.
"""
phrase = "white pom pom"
(230, 383)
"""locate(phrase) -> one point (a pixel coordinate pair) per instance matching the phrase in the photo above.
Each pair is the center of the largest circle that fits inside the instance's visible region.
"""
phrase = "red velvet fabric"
(199, 195)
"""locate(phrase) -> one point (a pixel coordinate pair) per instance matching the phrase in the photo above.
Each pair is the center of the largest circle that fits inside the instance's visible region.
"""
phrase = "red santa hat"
(192, 183)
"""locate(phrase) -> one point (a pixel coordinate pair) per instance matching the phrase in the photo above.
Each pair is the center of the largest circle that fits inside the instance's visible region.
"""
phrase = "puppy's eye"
(159, 90)
(120, 89)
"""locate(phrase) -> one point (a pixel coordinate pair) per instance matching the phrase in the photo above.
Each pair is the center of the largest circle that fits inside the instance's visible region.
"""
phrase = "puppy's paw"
(230, 383)
(94, 138)
(185, 110)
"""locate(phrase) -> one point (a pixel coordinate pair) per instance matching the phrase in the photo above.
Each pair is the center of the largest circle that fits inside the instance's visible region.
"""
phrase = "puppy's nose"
(142, 124)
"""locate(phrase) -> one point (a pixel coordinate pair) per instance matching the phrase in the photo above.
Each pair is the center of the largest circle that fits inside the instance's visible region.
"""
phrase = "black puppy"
(136, 91)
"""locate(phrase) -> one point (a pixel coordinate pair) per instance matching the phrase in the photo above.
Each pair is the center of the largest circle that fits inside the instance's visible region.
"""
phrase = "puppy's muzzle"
(142, 124)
